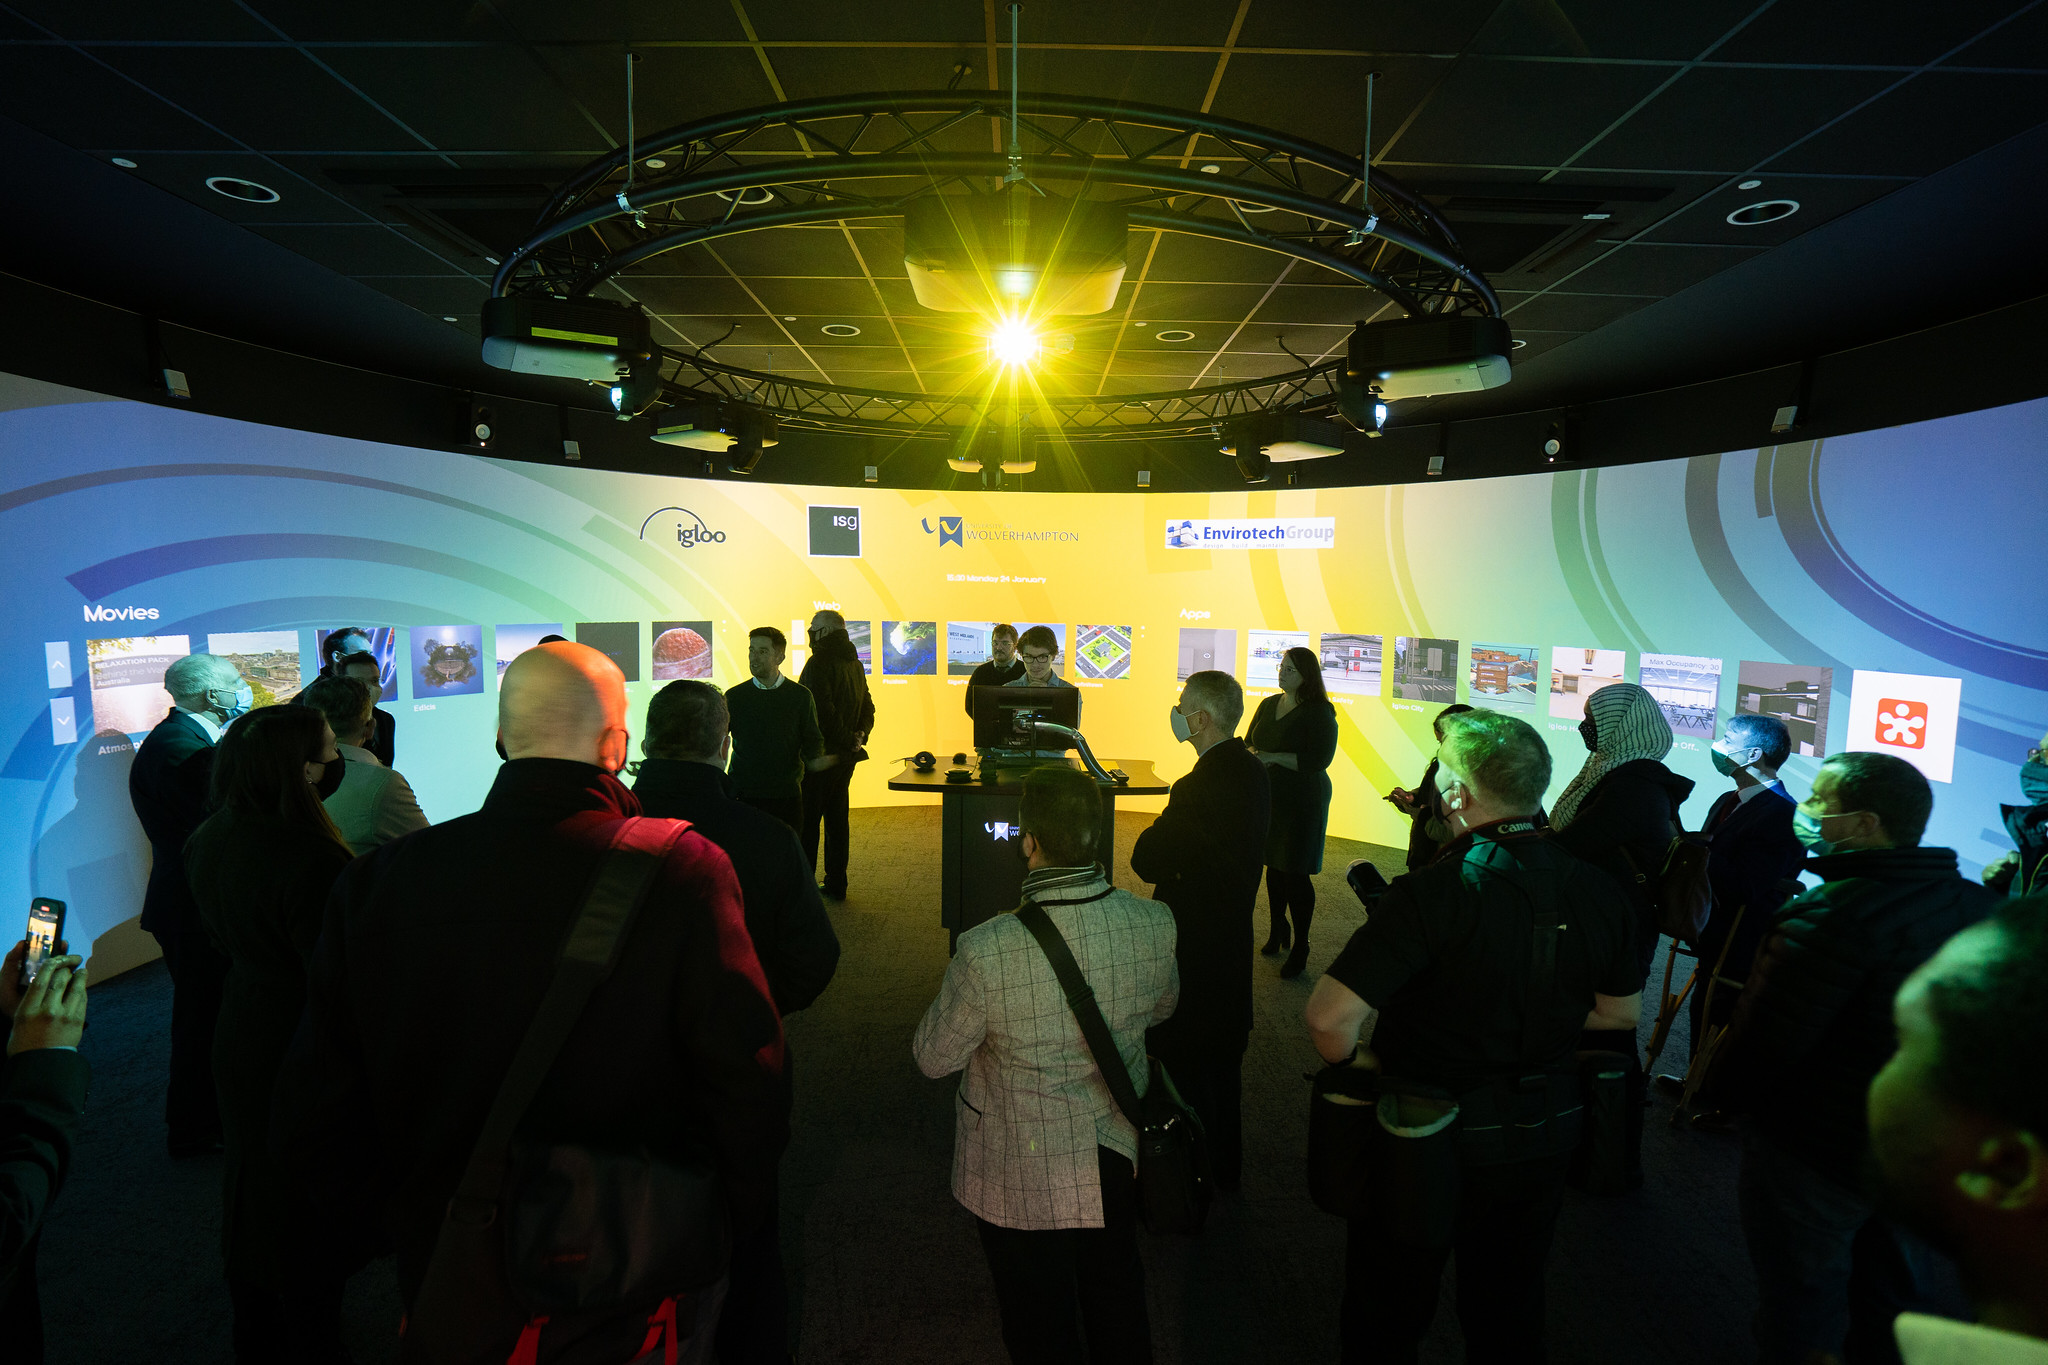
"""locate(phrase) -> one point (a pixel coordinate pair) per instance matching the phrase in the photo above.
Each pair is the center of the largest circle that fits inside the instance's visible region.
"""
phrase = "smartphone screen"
(45, 927)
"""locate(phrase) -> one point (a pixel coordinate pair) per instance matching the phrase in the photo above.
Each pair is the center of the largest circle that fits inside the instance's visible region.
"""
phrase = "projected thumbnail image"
(447, 661)
(682, 649)
(1795, 693)
(268, 661)
(967, 646)
(910, 648)
(862, 633)
(1102, 651)
(1262, 651)
(1425, 670)
(1059, 633)
(1502, 675)
(1688, 687)
(1202, 648)
(1577, 673)
(513, 641)
(618, 641)
(1351, 663)
(383, 648)
(128, 680)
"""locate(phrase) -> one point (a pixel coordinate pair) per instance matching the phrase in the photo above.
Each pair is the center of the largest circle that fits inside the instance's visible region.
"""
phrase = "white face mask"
(1182, 731)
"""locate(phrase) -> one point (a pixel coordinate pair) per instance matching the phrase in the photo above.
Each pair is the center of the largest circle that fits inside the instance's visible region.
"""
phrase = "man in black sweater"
(683, 778)
(1002, 666)
(1812, 1030)
(838, 684)
(775, 735)
(1204, 856)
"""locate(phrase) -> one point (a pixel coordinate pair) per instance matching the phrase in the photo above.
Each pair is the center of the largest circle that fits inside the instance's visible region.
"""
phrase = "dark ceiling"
(1588, 154)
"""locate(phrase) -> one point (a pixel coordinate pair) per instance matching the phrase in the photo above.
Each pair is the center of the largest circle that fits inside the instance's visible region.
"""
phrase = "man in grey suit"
(374, 804)
(1041, 1156)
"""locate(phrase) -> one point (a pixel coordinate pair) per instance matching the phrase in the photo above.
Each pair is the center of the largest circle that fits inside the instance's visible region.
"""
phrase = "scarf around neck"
(1627, 725)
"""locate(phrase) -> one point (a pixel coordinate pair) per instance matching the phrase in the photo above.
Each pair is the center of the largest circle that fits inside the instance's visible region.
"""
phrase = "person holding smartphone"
(42, 1097)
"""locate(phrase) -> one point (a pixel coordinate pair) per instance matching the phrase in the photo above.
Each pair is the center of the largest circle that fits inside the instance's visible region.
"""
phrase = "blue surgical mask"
(243, 696)
(1806, 829)
(2034, 781)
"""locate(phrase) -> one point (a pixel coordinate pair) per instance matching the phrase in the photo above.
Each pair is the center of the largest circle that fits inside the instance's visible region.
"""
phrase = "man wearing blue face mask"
(1811, 1030)
(168, 786)
(2024, 872)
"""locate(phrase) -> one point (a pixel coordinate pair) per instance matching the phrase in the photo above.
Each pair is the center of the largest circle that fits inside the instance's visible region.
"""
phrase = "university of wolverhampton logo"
(959, 530)
(689, 528)
(951, 529)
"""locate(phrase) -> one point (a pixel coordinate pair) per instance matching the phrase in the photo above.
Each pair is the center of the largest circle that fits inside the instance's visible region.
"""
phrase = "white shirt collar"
(769, 687)
(1925, 1340)
(207, 723)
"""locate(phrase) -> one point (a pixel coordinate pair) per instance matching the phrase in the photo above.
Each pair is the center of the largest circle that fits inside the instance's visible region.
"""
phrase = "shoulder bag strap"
(624, 876)
(1081, 1000)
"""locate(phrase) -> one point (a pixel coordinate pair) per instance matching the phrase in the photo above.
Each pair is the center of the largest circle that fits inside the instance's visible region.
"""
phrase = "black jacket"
(987, 674)
(1205, 855)
(846, 709)
(1815, 1024)
(262, 888)
(434, 956)
(2028, 826)
(42, 1096)
(785, 915)
(1632, 812)
(1752, 863)
(169, 787)
(383, 736)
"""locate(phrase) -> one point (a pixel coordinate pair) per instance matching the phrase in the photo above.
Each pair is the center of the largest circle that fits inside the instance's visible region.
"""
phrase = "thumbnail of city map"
(1103, 651)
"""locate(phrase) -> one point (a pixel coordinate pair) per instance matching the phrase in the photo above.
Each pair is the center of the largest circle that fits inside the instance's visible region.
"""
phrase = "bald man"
(436, 951)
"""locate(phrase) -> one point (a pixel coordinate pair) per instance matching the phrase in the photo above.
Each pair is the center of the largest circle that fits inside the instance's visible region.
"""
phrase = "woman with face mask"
(1294, 733)
(2025, 871)
(260, 869)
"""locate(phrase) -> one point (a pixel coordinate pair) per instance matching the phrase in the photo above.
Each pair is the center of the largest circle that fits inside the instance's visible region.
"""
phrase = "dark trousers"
(825, 803)
(754, 1327)
(1741, 957)
(1057, 1288)
(199, 974)
(788, 809)
(1501, 1237)
(302, 1327)
(1210, 1077)
(1291, 892)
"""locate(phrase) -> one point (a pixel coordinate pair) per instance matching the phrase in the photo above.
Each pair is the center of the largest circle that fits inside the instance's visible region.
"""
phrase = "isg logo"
(690, 529)
(1901, 724)
(835, 532)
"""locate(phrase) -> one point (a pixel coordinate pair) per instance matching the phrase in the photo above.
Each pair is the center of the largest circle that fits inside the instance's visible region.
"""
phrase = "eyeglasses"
(1036, 658)
(2034, 754)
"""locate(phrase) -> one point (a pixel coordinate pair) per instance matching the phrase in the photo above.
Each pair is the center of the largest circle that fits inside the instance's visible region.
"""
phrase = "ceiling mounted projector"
(1419, 357)
(1281, 437)
(1014, 253)
(718, 429)
(570, 338)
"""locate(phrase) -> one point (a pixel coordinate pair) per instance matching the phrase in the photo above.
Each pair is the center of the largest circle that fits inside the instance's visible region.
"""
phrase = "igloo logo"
(1902, 724)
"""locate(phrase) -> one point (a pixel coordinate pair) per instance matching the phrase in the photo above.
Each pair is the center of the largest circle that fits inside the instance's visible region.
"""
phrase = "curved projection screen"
(1878, 591)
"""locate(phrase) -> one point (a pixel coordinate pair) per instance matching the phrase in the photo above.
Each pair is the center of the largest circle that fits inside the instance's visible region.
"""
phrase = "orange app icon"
(1902, 724)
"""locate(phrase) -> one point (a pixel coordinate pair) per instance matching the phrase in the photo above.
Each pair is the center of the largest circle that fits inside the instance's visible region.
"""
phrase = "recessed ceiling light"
(655, 163)
(752, 195)
(1176, 335)
(1243, 207)
(124, 163)
(840, 329)
(1211, 169)
(491, 260)
(789, 317)
(448, 317)
(1596, 217)
(1518, 343)
(248, 191)
(1750, 185)
(1763, 211)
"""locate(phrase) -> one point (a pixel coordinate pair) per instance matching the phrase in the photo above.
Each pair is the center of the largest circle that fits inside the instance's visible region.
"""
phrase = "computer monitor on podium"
(1004, 716)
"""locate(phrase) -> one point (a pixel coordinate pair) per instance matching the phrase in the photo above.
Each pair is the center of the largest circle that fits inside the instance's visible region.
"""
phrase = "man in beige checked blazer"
(1041, 1156)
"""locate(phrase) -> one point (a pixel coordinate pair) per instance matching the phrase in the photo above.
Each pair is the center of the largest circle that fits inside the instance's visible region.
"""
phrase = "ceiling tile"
(1843, 32)
(809, 299)
(1482, 113)
(1322, 98)
(616, 22)
(1656, 271)
(198, 21)
(695, 296)
(1182, 257)
(1138, 23)
(925, 21)
(1609, 28)
(1376, 26)
(435, 296)
(1728, 119)
(2021, 42)
(671, 86)
(1819, 199)
(1568, 312)
(461, 98)
(83, 104)
(787, 251)
(235, 89)
(384, 21)
(1931, 122)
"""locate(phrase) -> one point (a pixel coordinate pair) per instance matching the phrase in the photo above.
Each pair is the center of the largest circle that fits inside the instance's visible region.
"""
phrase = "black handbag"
(577, 1240)
(1174, 1184)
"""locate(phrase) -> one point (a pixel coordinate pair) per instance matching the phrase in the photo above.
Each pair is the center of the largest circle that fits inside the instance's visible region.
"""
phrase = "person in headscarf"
(1620, 814)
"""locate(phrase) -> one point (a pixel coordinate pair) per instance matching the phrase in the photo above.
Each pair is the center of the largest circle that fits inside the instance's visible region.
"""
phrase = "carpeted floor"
(884, 1265)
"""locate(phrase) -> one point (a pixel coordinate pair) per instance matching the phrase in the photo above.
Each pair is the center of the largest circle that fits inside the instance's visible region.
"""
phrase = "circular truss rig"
(850, 158)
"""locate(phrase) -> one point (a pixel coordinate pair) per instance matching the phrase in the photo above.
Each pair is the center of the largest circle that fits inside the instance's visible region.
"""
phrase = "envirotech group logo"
(1252, 533)
(689, 529)
(959, 530)
(835, 532)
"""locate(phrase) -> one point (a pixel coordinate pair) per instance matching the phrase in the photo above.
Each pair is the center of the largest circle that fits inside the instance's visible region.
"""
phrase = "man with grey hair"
(1474, 976)
(169, 788)
(1205, 855)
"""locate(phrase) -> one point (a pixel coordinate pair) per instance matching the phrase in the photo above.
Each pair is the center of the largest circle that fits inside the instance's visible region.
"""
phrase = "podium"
(981, 853)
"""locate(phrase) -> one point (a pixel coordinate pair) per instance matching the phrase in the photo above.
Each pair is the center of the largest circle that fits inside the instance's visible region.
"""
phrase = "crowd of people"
(584, 1164)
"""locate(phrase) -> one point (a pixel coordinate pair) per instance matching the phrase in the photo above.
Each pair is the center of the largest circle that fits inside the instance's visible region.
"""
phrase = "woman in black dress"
(1294, 733)
(261, 867)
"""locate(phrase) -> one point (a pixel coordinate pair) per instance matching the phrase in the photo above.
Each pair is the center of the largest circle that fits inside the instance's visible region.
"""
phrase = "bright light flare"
(1014, 342)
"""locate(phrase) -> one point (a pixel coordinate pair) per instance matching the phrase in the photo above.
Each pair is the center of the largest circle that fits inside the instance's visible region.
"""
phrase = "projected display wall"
(1789, 580)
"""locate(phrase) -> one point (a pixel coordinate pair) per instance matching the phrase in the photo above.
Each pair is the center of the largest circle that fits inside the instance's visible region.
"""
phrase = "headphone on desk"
(923, 761)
